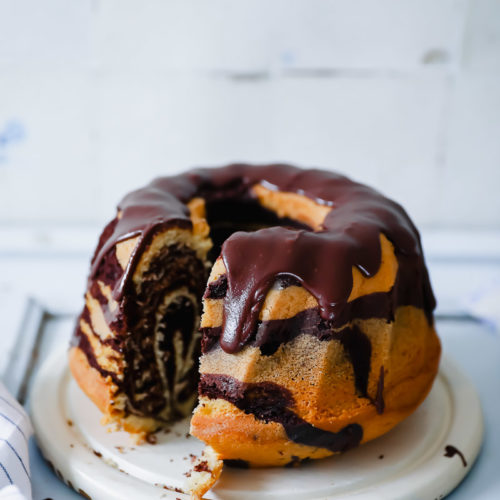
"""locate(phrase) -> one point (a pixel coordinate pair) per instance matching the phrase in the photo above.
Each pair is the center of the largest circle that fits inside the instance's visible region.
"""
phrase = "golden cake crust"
(323, 388)
(95, 386)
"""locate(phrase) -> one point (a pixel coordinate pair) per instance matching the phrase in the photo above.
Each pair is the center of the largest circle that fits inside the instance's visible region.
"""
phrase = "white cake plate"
(407, 463)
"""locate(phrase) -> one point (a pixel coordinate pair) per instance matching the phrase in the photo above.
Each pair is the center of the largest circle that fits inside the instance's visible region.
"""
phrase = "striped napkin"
(15, 430)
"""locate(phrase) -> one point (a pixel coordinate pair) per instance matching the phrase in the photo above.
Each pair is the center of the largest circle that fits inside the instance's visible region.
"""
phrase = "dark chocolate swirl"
(270, 402)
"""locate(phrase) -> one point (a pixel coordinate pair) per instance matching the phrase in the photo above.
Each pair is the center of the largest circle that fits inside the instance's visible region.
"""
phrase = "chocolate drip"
(272, 403)
(270, 334)
(286, 280)
(320, 261)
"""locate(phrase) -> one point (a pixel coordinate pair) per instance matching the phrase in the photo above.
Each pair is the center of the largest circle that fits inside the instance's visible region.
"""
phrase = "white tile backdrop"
(99, 96)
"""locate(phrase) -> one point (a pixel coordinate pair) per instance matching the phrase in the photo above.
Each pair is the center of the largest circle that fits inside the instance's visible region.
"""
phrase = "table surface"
(42, 277)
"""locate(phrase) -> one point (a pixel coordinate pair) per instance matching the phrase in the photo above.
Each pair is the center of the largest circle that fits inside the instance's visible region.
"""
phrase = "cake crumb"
(202, 467)
(204, 474)
(152, 438)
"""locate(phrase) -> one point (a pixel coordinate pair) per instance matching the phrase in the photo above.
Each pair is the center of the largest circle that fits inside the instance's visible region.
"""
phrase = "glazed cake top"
(321, 260)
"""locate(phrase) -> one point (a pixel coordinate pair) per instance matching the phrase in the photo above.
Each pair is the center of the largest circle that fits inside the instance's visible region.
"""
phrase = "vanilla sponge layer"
(321, 379)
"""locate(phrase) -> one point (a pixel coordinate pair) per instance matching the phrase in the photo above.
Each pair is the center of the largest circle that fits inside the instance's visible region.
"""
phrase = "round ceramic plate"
(417, 459)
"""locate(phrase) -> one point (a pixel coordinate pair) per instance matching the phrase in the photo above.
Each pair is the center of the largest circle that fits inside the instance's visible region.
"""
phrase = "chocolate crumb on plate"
(450, 451)
(152, 438)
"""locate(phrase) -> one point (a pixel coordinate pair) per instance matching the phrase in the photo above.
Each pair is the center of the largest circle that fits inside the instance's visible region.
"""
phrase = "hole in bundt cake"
(226, 216)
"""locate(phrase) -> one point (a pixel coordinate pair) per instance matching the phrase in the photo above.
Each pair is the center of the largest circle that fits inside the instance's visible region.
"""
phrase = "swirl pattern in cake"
(292, 307)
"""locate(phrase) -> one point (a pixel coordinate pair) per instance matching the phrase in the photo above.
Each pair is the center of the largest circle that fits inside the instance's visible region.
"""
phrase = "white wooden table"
(43, 273)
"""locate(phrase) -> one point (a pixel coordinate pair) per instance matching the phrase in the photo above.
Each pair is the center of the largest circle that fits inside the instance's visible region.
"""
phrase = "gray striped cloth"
(15, 430)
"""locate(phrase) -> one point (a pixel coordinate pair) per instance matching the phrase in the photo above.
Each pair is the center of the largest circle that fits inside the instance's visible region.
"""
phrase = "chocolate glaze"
(320, 261)
(450, 451)
(287, 254)
(270, 334)
(272, 403)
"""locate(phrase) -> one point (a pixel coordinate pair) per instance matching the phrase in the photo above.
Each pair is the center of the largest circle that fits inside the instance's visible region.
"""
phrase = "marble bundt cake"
(315, 329)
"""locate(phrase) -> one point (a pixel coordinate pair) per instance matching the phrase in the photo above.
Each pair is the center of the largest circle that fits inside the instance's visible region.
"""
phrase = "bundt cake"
(315, 328)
